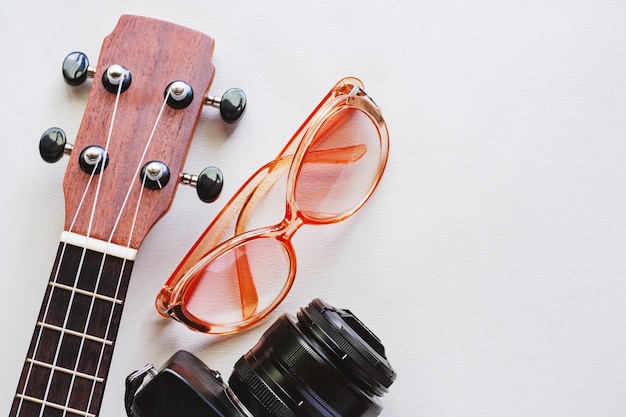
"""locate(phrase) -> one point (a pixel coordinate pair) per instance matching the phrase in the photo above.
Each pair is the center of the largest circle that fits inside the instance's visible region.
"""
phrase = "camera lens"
(324, 362)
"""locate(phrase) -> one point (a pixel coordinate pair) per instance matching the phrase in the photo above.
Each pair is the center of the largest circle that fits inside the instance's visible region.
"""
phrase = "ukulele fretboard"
(70, 352)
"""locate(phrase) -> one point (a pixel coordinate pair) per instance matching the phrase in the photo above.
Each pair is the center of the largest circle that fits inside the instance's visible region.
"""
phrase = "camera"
(323, 362)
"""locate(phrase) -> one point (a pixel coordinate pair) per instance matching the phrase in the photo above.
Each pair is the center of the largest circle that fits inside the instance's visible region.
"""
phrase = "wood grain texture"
(156, 53)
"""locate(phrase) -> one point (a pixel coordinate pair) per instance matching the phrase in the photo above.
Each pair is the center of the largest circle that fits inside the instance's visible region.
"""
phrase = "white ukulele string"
(52, 288)
(87, 237)
(84, 250)
(130, 236)
(117, 289)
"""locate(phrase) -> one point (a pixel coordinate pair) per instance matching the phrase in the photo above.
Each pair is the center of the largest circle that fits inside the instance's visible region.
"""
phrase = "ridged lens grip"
(326, 363)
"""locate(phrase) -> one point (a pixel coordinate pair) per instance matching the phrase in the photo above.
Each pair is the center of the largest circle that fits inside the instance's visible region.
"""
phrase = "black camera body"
(184, 386)
(323, 363)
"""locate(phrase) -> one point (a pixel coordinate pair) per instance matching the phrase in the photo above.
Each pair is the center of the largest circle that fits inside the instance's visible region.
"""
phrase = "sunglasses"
(333, 163)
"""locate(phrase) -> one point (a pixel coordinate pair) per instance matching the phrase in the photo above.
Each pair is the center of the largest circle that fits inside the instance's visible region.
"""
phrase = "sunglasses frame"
(347, 93)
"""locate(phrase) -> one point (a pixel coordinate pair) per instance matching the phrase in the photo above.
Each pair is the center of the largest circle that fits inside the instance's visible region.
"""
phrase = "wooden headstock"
(156, 53)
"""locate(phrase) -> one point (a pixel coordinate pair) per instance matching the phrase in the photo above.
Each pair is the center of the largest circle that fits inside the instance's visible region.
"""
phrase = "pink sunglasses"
(334, 161)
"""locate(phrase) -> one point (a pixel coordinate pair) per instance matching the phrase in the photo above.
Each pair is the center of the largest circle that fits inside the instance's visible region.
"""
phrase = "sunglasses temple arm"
(247, 289)
(345, 155)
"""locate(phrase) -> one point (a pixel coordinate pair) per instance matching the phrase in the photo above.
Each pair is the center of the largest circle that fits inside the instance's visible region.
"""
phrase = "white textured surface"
(491, 260)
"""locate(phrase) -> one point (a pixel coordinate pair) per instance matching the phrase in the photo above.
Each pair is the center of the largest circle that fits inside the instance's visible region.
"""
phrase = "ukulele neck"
(68, 360)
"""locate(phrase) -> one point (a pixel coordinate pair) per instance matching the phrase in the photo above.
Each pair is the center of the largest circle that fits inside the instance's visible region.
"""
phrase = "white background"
(491, 259)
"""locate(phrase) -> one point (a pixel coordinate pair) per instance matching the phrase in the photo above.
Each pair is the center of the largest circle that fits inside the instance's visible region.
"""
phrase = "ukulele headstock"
(149, 88)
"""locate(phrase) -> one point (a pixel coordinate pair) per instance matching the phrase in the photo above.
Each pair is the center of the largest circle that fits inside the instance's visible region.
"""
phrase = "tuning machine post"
(208, 183)
(53, 145)
(232, 104)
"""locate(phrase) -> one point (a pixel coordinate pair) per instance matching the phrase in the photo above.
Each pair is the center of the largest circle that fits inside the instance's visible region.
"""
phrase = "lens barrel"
(324, 362)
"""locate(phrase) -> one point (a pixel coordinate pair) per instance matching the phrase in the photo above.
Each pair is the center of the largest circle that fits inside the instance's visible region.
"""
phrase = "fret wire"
(87, 293)
(57, 269)
(106, 333)
(63, 329)
(55, 368)
(74, 333)
(123, 269)
(45, 403)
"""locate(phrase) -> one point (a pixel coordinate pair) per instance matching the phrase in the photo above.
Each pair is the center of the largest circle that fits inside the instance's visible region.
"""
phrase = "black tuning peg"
(76, 68)
(208, 184)
(53, 145)
(232, 104)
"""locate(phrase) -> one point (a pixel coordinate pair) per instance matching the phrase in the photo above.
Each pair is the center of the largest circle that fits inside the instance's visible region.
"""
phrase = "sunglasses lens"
(243, 283)
(341, 166)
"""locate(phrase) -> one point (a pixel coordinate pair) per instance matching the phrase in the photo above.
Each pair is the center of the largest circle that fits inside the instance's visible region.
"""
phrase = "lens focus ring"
(353, 346)
(298, 368)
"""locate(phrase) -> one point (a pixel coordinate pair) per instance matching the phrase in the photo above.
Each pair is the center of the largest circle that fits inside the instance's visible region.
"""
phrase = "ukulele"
(144, 104)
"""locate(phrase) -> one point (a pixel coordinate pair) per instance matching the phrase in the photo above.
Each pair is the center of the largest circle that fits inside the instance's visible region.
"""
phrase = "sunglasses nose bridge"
(289, 226)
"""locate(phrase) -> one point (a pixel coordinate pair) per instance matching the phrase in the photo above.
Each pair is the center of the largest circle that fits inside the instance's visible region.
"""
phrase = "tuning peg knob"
(232, 104)
(76, 68)
(53, 145)
(208, 184)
